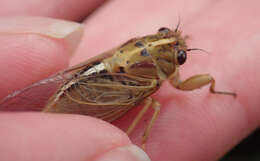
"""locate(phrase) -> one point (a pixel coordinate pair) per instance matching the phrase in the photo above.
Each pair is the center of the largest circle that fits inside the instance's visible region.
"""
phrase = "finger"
(32, 48)
(70, 10)
(201, 125)
(37, 136)
(104, 31)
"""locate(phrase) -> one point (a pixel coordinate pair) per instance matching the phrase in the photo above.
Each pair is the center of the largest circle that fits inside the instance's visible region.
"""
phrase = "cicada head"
(169, 50)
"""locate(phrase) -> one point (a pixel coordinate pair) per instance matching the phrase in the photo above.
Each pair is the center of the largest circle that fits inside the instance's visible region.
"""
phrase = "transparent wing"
(110, 89)
(33, 97)
(105, 96)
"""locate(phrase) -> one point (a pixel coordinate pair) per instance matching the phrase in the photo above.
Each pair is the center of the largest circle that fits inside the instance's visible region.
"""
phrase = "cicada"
(110, 84)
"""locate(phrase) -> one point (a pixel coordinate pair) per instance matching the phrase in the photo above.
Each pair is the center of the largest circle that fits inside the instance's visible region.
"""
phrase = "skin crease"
(192, 125)
(56, 9)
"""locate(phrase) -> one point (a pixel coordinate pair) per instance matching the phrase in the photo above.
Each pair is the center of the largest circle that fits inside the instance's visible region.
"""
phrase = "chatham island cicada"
(110, 84)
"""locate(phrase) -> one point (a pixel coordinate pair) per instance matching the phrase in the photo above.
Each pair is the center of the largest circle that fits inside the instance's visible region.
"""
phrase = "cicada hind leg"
(149, 102)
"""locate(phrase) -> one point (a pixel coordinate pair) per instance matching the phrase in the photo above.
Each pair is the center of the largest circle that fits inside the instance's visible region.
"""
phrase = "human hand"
(191, 126)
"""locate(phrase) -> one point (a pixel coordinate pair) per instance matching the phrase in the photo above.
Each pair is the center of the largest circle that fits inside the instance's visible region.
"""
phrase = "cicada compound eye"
(181, 57)
(164, 30)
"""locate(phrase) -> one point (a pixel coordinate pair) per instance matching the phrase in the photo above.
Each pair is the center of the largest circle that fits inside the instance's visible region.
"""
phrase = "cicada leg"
(156, 107)
(149, 102)
(196, 82)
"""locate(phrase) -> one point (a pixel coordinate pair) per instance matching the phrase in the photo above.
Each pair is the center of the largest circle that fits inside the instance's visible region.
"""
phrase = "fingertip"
(33, 48)
(38, 136)
(126, 153)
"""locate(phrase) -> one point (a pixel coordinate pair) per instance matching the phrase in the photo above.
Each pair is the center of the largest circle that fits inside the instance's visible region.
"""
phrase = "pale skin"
(192, 125)
(191, 83)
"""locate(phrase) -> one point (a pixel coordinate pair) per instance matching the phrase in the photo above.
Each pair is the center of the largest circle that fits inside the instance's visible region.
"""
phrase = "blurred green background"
(247, 150)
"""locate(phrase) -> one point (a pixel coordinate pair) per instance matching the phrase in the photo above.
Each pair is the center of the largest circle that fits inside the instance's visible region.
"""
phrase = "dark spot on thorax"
(139, 44)
(144, 52)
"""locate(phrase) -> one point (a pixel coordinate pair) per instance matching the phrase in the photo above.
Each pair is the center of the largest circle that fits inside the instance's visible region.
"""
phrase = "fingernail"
(71, 32)
(127, 153)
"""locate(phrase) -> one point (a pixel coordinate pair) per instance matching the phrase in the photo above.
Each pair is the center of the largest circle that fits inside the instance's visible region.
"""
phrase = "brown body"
(109, 85)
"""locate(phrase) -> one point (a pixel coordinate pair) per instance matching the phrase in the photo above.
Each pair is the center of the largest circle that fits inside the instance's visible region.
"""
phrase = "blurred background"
(247, 150)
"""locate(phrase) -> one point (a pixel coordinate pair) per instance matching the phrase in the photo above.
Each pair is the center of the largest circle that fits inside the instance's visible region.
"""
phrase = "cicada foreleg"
(149, 102)
(196, 82)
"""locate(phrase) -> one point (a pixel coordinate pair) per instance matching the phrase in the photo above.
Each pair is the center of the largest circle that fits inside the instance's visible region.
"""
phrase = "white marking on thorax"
(95, 69)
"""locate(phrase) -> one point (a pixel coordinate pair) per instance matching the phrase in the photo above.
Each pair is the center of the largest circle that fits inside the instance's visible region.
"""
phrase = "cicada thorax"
(152, 56)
